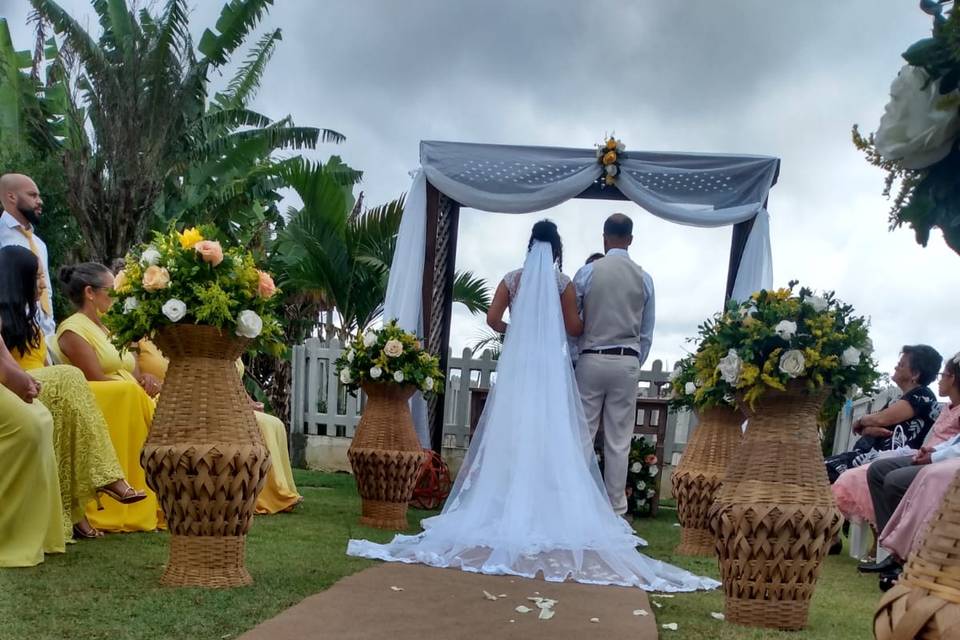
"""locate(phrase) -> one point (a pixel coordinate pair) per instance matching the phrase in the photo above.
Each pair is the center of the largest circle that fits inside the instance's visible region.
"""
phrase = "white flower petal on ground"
(523, 609)
(717, 616)
(594, 619)
(641, 612)
(657, 604)
(546, 614)
(670, 626)
(661, 595)
(489, 596)
(396, 588)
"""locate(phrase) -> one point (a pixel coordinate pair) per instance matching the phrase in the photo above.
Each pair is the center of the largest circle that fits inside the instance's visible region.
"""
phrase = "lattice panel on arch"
(435, 343)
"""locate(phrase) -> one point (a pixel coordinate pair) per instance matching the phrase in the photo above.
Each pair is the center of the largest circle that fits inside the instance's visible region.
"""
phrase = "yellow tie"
(45, 296)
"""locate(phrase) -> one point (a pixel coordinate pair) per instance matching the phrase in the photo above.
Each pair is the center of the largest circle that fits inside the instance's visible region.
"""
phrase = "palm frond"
(79, 41)
(246, 81)
(472, 292)
(237, 19)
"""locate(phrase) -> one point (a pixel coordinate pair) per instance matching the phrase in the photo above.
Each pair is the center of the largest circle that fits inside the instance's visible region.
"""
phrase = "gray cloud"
(747, 76)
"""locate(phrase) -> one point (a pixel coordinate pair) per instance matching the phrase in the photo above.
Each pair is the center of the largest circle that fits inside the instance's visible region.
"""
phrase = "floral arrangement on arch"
(609, 155)
(189, 278)
(389, 355)
(916, 141)
(777, 337)
(688, 390)
(642, 483)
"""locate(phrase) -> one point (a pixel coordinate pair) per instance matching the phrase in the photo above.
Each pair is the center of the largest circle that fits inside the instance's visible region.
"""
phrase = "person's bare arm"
(15, 378)
(571, 317)
(876, 424)
(81, 355)
(501, 299)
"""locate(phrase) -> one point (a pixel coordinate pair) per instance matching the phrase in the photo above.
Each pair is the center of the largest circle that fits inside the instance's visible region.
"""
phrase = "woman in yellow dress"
(30, 523)
(121, 392)
(86, 460)
(279, 492)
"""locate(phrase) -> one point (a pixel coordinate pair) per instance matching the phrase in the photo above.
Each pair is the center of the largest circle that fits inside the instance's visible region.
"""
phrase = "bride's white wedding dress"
(529, 497)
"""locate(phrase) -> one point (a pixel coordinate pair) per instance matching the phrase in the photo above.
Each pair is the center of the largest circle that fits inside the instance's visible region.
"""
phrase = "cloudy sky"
(745, 76)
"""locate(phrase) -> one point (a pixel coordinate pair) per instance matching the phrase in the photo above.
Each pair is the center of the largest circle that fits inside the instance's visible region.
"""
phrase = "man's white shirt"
(10, 234)
(581, 282)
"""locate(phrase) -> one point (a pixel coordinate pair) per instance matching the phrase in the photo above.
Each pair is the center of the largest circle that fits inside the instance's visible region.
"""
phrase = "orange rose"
(120, 282)
(266, 288)
(155, 278)
(650, 460)
(611, 143)
(609, 157)
(210, 251)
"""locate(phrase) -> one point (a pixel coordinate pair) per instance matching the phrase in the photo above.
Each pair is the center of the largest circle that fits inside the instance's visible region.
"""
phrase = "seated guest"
(911, 415)
(279, 491)
(86, 459)
(30, 522)
(120, 390)
(936, 467)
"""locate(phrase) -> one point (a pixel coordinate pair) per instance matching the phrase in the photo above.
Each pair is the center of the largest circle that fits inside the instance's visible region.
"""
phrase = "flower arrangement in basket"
(688, 390)
(188, 278)
(642, 480)
(389, 355)
(777, 337)
(609, 155)
(916, 141)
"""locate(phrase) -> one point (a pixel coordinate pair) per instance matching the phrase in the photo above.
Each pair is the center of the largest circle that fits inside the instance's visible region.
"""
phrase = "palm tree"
(332, 248)
(149, 145)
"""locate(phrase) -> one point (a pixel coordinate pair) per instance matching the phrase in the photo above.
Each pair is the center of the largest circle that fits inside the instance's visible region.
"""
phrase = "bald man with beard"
(22, 206)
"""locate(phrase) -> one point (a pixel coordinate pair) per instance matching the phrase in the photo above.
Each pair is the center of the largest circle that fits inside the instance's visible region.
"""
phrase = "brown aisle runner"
(448, 604)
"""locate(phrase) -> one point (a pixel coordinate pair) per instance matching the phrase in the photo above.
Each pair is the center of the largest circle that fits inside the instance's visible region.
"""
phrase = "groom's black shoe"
(887, 564)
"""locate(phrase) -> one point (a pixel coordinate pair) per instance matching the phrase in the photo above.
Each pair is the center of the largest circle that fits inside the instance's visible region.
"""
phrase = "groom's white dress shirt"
(10, 234)
(581, 282)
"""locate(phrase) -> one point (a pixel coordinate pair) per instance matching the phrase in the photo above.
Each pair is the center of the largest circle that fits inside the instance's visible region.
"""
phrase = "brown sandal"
(85, 530)
(129, 495)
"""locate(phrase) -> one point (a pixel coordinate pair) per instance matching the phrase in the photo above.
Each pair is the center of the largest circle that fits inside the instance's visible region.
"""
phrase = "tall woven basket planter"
(775, 517)
(205, 458)
(700, 475)
(386, 456)
(925, 603)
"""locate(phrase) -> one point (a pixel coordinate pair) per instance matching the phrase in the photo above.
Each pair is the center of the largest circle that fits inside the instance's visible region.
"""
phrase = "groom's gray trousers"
(608, 388)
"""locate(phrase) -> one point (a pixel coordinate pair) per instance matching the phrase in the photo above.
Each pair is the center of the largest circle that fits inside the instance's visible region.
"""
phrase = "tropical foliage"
(389, 355)
(188, 278)
(777, 337)
(916, 142)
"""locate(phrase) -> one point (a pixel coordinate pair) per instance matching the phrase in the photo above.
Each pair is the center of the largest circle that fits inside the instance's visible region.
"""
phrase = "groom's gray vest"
(613, 306)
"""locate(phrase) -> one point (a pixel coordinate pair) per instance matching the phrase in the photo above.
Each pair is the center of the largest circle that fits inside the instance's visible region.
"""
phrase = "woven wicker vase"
(386, 456)
(925, 603)
(775, 517)
(205, 458)
(700, 475)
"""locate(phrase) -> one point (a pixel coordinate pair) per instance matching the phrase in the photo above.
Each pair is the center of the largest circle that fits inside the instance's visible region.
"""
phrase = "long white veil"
(529, 499)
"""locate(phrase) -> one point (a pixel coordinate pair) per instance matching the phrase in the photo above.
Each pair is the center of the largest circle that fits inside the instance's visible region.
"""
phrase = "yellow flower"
(609, 157)
(612, 143)
(609, 180)
(190, 237)
(120, 283)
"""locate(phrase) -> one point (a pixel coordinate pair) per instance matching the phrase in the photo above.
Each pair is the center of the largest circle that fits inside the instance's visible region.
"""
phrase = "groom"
(616, 296)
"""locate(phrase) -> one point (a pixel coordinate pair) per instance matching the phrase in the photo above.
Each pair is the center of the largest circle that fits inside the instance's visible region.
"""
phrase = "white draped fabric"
(529, 499)
(699, 190)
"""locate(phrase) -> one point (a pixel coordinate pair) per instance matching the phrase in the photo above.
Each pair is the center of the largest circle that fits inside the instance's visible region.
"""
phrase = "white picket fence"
(320, 405)
(844, 437)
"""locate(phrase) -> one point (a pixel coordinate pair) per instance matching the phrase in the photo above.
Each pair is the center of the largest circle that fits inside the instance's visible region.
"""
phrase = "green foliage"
(223, 289)
(389, 355)
(642, 481)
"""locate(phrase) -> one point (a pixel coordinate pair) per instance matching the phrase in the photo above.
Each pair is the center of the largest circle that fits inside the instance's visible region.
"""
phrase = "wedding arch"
(695, 189)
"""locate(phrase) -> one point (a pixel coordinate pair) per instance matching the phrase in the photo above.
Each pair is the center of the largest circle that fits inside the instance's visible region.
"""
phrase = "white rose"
(130, 304)
(350, 356)
(428, 384)
(345, 376)
(642, 502)
(786, 329)
(818, 303)
(611, 169)
(690, 388)
(149, 257)
(369, 339)
(641, 485)
(730, 367)
(850, 357)
(654, 469)
(376, 372)
(398, 376)
(249, 324)
(651, 493)
(174, 309)
(636, 467)
(919, 125)
(393, 348)
(792, 363)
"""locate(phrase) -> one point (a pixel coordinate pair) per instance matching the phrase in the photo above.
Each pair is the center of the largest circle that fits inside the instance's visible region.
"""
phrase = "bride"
(529, 498)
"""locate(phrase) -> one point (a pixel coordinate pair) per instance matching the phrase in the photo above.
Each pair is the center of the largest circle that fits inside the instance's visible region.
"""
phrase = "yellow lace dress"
(30, 521)
(128, 411)
(85, 456)
(279, 492)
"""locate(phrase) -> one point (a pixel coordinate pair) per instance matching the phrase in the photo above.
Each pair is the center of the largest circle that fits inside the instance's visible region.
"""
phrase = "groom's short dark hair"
(618, 226)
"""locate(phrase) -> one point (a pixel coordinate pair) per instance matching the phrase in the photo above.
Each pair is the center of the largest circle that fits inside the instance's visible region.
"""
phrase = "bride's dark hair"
(546, 231)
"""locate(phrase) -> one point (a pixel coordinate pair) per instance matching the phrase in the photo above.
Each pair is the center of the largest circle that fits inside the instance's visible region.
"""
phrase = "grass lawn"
(109, 588)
